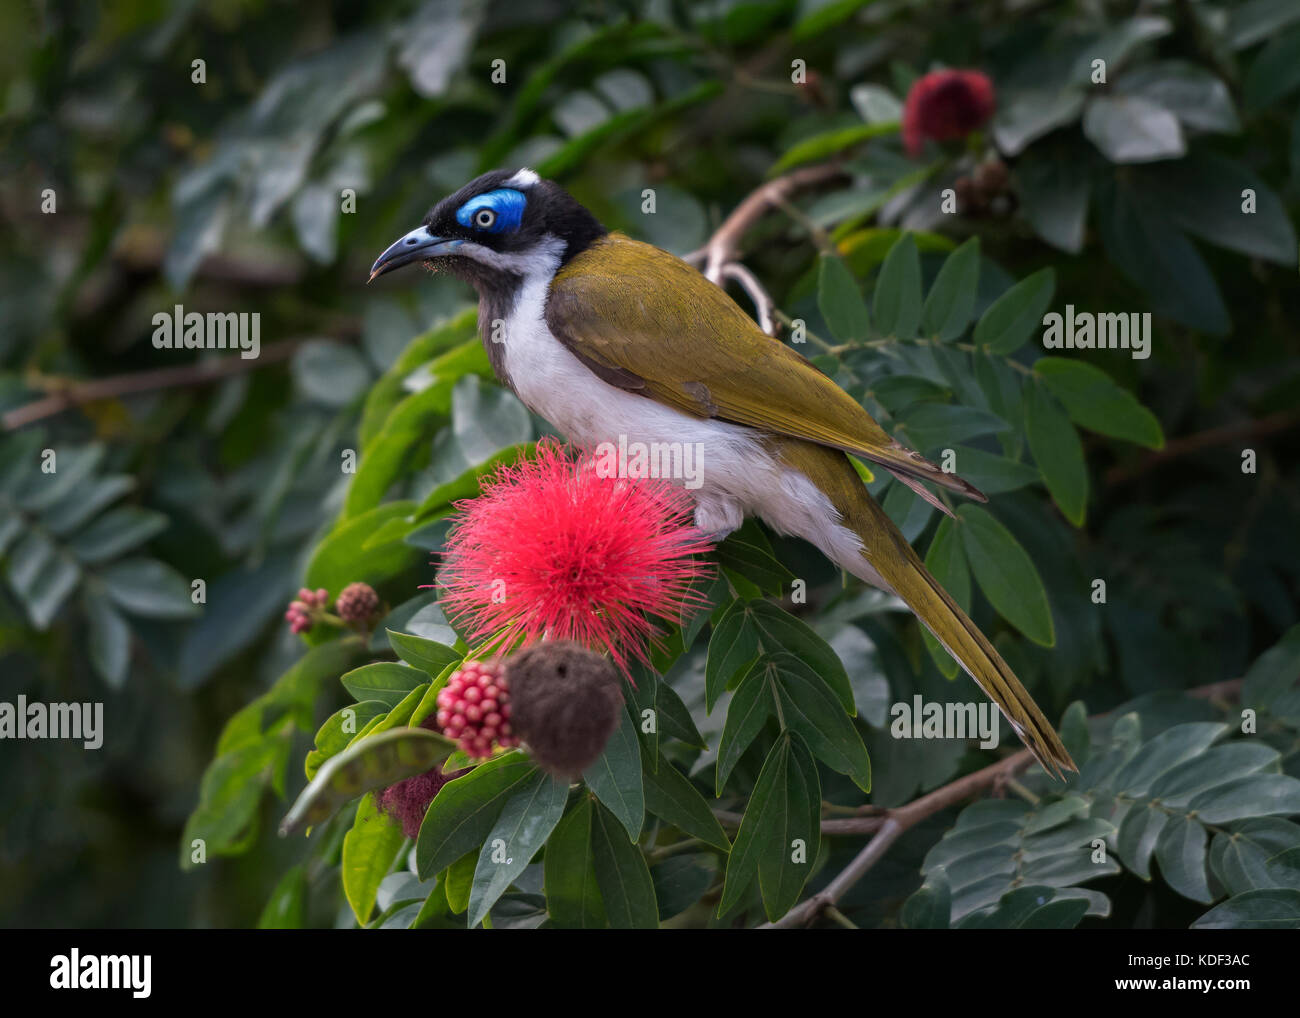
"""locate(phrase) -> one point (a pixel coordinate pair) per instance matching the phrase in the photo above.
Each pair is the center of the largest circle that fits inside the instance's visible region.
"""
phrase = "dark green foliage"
(1126, 555)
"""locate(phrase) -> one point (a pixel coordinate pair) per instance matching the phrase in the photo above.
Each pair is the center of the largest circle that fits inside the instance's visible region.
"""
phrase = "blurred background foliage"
(321, 132)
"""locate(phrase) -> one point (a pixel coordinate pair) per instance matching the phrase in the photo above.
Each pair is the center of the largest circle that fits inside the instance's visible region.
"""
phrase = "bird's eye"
(485, 218)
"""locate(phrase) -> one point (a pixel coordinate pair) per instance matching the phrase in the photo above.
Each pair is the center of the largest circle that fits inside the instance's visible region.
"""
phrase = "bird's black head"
(496, 230)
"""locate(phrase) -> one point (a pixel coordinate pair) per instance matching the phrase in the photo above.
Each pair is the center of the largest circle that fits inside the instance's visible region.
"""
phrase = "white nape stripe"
(522, 180)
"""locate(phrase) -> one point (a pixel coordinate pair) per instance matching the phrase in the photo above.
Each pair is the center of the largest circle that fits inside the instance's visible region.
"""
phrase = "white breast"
(740, 477)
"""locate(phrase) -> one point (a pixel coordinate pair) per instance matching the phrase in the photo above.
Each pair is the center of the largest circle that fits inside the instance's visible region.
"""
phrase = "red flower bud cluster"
(303, 612)
(474, 708)
(357, 603)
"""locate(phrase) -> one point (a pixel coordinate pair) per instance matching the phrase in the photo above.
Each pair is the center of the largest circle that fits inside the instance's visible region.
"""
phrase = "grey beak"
(417, 246)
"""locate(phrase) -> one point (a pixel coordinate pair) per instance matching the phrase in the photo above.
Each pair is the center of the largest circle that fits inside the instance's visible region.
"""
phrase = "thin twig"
(763, 303)
(197, 373)
(719, 258)
(1188, 444)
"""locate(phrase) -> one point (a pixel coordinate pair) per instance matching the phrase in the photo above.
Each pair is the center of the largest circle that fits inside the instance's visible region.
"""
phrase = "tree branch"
(198, 373)
(1189, 444)
(719, 258)
(889, 826)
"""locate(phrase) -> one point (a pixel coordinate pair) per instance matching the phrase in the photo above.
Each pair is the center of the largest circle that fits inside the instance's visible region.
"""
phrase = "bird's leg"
(718, 517)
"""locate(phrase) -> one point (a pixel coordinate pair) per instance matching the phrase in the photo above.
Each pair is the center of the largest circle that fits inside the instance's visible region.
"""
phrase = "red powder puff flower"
(553, 549)
(945, 104)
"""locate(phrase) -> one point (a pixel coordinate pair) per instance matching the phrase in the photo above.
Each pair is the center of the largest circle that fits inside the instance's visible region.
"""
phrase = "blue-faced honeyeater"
(607, 338)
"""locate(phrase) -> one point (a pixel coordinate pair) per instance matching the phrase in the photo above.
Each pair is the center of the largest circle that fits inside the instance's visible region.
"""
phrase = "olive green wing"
(647, 322)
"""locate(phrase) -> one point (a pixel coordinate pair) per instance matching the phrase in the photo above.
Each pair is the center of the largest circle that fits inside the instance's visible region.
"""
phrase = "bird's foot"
(718, 519)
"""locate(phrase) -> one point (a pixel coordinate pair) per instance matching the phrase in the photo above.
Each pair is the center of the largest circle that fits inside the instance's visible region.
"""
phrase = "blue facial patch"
(508, 205)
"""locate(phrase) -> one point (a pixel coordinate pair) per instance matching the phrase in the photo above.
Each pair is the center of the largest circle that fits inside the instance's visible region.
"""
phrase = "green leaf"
(1180, 851)
(116, 532)
(947, 563)
(1154, 253)
(1057, 451)
(732, 648)
(672, 797)
(229, 794)
(779, 630)
(935, 425)
(824, 145)
(376, 761)
(287, 907)
(675, 718)
(42, 577)
(1179, 785)
(1027, 115)
(458, 880)
(389, 390)
(1243, 856)
(344, 557)
(622, 875)
(1274, 672)
(369, 850)
(109, 640)
(401, 714)
(68, 469)
(487, 419)
(383, 681)
(898, 392)
(1006, 574)
(339, 730)
(330, 373)
(1275, 72)
(615, 779)
(1017, 314)
(572, 893)
(754, 562)
(780, 834)
(427, 655)
(1199, 98)
(992, 474)
(1252, 796)
(750, 707)
(150, 588)
(526, 821)
(1054, 195)
(1273, 909)
(951, 300)
(809, 707)
(1258, 20)
(1095, 402)
(930, 906)
(896, 304)
(1138, 833)
(840, 301)
(1163, 753)
(1130, 129)
(465, 810)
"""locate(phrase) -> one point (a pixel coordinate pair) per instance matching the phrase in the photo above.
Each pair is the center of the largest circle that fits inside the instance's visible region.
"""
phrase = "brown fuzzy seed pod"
(357, 603)
(566, 701)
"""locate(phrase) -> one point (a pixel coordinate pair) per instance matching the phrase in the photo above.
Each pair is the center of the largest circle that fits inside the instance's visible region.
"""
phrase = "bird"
(607, 337)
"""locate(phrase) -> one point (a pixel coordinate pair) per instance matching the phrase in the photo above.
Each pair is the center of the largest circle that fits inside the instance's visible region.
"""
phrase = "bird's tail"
(887, 557)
